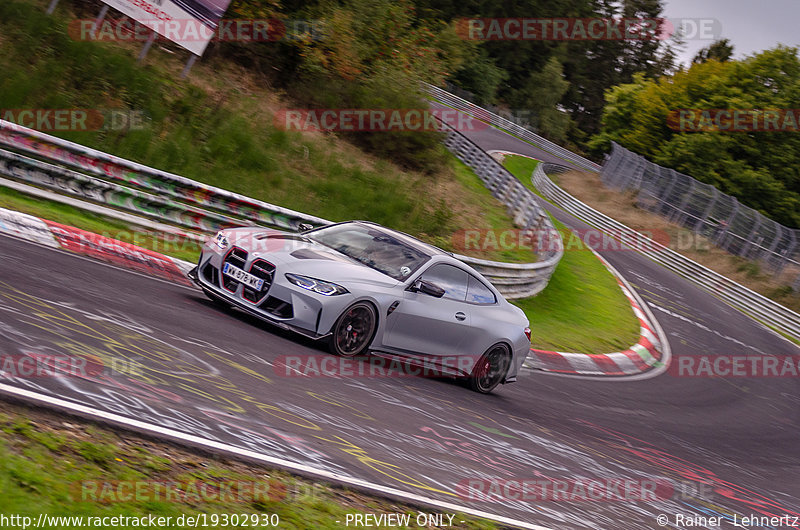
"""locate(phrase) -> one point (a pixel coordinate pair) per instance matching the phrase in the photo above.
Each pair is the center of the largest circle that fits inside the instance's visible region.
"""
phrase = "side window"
(452, 279)
(478, 293)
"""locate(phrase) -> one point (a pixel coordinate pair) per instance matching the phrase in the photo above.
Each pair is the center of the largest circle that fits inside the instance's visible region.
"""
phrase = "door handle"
(460, 316)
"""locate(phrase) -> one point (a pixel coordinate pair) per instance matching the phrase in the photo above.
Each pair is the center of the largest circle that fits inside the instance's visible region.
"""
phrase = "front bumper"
(280, 302)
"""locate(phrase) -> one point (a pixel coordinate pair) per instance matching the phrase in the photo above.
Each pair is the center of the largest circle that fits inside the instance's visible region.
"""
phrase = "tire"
(491, 369)
(353, 330)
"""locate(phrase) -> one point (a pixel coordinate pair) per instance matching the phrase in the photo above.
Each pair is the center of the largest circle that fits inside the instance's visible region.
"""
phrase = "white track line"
(288, 465)
(252, 455)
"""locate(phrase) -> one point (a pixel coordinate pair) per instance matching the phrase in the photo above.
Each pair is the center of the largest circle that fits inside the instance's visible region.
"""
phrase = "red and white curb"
(649, 353)
(499, 155)
(56, 235)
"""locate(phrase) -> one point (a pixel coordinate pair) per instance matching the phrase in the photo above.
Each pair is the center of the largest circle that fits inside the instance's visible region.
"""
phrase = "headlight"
(220, 240)
(318, 286)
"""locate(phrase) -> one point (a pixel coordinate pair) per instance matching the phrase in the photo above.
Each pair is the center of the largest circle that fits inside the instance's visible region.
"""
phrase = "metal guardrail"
(514, 280)
(131, 175)
(451, 100)
(75, 184)
(86, 173)
(738, 296)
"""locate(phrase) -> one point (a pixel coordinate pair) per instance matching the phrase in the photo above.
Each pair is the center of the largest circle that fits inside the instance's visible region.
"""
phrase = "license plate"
(242, 276)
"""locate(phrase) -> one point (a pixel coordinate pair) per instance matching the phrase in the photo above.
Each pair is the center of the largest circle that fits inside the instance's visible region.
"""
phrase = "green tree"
(721, 50)
(370, 54)
(592, 67)
(481, 76)
(541, 94)
(641, 54)
(760, 167)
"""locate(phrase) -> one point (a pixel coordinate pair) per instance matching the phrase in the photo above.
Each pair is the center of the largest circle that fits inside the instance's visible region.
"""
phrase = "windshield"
(372, 247)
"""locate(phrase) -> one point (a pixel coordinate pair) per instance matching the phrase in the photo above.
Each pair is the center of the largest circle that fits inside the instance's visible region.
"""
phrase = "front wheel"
(353, 330)
(491, 369)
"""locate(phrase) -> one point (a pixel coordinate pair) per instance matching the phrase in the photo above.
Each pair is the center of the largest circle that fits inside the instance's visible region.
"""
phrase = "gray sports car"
(365, 288)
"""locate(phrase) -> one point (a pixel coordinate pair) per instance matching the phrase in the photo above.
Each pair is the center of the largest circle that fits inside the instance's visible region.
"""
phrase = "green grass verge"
(61, 466)
(582, 309)
(494, 218)
(523, 167)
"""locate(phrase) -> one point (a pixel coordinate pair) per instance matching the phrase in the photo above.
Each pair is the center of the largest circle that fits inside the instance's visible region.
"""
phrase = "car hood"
(295, 253)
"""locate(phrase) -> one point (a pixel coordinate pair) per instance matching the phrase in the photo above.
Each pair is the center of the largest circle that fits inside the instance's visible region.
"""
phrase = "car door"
(422, 323)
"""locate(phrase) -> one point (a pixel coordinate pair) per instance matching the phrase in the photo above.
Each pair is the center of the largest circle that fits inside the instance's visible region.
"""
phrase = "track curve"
(165, 355)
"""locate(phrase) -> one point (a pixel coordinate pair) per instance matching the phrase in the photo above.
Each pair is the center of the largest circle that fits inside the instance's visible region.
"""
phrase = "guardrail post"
(748, 241)
(99, 20)
(146, 48)
(700, 224)
(189, 64)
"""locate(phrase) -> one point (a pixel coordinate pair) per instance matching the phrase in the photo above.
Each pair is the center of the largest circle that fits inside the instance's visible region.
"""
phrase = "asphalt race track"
(167, 356)
(490, 138)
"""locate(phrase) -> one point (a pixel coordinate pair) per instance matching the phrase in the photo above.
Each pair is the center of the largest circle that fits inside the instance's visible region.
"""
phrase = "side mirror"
(429, 288)
(304, 227)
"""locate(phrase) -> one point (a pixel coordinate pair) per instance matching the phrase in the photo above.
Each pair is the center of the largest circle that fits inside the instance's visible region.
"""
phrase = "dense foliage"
(760, 167)
(579, 93)
(372, 54)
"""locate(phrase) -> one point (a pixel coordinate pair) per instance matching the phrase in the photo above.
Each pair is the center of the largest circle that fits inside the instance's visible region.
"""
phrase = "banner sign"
(188, 23)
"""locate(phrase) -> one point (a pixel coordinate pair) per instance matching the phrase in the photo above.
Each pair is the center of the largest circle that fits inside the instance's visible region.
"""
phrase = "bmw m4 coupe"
(364, 288)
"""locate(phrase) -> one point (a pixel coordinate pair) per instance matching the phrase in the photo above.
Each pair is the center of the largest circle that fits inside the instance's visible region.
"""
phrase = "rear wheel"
(353, 330)
(491, 369)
